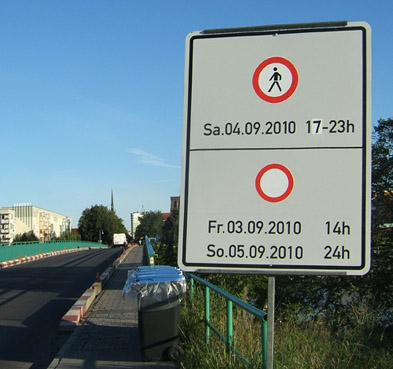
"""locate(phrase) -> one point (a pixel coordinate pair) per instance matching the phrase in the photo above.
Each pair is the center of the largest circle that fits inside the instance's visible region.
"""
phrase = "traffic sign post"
(277, 141)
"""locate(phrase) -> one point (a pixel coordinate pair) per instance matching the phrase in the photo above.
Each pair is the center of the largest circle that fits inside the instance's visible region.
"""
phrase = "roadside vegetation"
(98, 224)
(326, 322)
(300, 342)
(25, 237)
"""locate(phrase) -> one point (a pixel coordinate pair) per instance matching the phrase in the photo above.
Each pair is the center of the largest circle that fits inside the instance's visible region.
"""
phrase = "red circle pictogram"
(284, 194)
(287, 93)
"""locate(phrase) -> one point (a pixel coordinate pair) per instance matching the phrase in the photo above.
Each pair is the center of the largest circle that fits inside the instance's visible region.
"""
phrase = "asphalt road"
(35, 296)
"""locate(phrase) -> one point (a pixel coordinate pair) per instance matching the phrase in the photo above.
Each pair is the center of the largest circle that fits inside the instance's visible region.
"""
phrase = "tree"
(383, 156)
(70, 236)
(150, 225)
(100, 223)
(25, 237)
(375, 290)
(382, 179)
(380, 277)
(169, 242)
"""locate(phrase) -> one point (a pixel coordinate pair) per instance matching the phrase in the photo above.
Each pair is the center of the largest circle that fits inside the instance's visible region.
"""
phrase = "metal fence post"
(229, 339)
(192, 288)
(207, 314)
(264, 341)
(270, 322)
(229, 324)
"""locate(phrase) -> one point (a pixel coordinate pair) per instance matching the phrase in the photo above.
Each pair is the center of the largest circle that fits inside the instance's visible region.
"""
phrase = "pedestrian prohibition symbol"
(275, 79)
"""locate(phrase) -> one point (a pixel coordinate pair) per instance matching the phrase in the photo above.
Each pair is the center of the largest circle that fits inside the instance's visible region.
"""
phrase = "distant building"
(135, 222)
(165, 216)
(7, 225)
(175, 203)
(25, 217)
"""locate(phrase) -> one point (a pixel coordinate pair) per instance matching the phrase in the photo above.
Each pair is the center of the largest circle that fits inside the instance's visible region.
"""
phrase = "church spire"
(112, 204)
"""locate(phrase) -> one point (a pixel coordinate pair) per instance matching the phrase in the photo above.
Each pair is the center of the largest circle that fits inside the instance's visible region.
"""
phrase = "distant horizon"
(76, 225)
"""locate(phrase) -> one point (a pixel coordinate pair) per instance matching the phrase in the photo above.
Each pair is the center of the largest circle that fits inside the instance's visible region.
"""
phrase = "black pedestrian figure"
(275, 77)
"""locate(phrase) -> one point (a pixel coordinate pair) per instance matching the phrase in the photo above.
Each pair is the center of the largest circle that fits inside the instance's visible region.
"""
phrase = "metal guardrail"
(150, 254)
(230, 300)
(44, 242)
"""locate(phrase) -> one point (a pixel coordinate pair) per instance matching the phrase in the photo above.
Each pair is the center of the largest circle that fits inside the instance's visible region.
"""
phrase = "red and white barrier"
(73, 317)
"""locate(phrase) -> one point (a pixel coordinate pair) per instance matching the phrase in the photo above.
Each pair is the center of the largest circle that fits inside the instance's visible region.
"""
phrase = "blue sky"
(91, 92)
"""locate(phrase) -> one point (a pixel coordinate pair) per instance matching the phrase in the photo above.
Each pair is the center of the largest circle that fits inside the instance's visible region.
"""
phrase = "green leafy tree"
(151, 224)
(379, 280)
(70, 236)
(375, 290)
(382, 179)
(170, 234)
(25, 237)
(383, 156)
(99, 223)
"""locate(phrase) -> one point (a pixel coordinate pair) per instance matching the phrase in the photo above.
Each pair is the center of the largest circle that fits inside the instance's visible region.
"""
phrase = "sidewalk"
(109, 337)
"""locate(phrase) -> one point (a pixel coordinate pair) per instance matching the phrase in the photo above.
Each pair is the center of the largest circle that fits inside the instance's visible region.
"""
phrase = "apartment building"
(7, 226)
(135, 221)
(22, 218)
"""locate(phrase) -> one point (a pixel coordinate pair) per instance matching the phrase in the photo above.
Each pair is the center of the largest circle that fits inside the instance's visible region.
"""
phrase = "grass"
(313, 345)
(198, 354)
(299, 343)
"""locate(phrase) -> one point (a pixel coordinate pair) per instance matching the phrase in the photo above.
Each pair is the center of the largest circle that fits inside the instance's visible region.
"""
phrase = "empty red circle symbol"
(275, 79)
(274, 182)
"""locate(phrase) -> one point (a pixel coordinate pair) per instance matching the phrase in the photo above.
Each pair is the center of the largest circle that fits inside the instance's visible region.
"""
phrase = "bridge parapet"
(19, 250)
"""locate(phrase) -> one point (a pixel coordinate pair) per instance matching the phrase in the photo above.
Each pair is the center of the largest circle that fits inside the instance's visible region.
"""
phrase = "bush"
(26, 237)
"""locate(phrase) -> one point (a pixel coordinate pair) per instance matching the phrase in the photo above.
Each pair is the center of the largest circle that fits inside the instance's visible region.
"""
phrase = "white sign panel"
(277, 137)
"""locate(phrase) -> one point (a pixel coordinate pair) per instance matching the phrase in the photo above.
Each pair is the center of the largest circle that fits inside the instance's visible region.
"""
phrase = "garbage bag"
(154, 288)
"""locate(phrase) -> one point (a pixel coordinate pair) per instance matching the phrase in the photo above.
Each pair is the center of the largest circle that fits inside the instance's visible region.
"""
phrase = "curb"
(72, 318)
(26, 259)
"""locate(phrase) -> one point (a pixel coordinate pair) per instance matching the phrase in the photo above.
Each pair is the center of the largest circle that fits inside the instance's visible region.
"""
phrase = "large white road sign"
(277, 141)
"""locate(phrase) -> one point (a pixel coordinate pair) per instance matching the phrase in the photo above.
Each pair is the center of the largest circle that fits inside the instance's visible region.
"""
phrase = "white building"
(25, 217)
(7, 225)
(135, 222)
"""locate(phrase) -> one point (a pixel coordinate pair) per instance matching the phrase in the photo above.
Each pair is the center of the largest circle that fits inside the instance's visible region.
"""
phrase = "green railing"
(31, 248)
(149, 252)
(228, 339)
(230, 300)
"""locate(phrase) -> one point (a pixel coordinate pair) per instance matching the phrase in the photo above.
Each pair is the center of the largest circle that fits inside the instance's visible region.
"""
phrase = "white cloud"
(150, 159)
